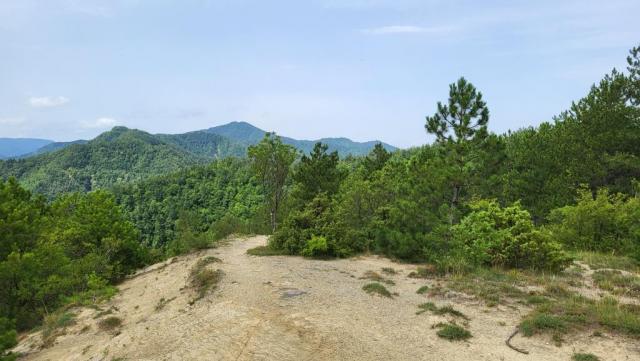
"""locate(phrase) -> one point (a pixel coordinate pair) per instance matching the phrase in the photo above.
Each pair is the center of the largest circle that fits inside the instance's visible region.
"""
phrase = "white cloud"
(48, 101)
(103, 122)
(407, 29)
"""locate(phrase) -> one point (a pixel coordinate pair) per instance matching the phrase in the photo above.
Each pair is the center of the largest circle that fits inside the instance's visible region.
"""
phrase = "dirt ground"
(291, 308)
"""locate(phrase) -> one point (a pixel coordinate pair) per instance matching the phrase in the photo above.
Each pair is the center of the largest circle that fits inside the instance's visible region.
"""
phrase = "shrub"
(8, 335)
(316, 247)
(604, 223)
(495, 236)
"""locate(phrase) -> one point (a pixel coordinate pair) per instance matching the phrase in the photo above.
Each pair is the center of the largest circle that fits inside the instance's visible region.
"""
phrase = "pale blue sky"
(365, 69)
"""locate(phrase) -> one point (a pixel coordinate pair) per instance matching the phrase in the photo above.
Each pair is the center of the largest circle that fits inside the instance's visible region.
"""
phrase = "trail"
(291, 308)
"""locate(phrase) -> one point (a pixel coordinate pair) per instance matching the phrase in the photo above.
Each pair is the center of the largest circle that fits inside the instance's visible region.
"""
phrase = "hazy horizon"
(362, 69)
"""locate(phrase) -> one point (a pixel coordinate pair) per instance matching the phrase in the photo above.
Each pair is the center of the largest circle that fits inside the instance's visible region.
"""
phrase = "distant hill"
(52, 147)
(248, 134)
(118, 156)
(15, 147)
(124, 155)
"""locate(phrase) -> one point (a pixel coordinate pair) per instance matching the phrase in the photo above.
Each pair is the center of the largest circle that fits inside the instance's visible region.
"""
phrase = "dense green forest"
(472, 198)
(122, 156)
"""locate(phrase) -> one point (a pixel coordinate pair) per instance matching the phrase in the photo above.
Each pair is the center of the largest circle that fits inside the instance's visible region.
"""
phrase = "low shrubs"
(604, 223)
(492, 235)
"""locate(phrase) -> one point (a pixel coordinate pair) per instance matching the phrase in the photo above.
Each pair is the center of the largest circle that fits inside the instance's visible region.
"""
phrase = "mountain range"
(124, 155)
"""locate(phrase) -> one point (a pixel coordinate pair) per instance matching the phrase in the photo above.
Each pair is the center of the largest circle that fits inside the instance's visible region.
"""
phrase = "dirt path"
(290, 308)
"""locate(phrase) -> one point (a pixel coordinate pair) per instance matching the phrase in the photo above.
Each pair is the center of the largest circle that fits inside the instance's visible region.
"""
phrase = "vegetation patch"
(452, 332)
(203, 279)
(444, 310)
(389, 271)
(424, 272)
(577, 313)
(375, 276)
(162, 303)
(264, 251)
(110, 324)
(597, 260)
(617, 283)
(377, 288)
(422, 290)
(55, 325)
(490, 285)
(584, 357)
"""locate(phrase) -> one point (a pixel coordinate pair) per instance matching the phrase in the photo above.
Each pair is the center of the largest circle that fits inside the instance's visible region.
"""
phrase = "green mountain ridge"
(124, 155)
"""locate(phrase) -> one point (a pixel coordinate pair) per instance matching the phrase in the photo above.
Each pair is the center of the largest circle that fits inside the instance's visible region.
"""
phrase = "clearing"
(291, 308)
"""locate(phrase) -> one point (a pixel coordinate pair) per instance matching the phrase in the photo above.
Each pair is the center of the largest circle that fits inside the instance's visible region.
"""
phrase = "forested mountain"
(52, 147)
(118, 156)
(124, 155)
(247, 134)
(15, 147)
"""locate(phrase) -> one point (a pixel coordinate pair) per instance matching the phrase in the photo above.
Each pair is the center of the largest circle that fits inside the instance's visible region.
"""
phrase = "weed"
(422, 290)
(452, 332)
(378, 288)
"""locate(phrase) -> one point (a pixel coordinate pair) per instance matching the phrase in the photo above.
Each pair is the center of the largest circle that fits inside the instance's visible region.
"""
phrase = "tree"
(633, 61)
(271, 160)
(459, 126)
(318, 173)
(376, 159)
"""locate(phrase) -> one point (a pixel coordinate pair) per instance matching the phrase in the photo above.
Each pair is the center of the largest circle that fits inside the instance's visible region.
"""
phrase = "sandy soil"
(290, 308)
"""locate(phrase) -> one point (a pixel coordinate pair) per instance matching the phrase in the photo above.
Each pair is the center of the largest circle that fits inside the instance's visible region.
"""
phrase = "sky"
(363, 69)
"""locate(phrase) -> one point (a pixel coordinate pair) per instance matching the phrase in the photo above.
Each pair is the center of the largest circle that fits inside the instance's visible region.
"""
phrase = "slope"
(118, 156)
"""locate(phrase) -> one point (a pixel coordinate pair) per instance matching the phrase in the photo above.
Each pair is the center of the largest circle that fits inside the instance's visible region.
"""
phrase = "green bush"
(8, 335)
(492, 235)
(604, 223)
(316, 247)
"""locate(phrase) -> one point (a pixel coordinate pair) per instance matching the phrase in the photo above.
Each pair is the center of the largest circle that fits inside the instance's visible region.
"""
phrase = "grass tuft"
(617, 283)
(452, 332)
(424, 272)
(422, 290)
(375, 276)
(377, 288)
(584, 357)
(444, 310)
(203, 279)
(110, 324)
(55, 325)
(265, 251)
(601, 260)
